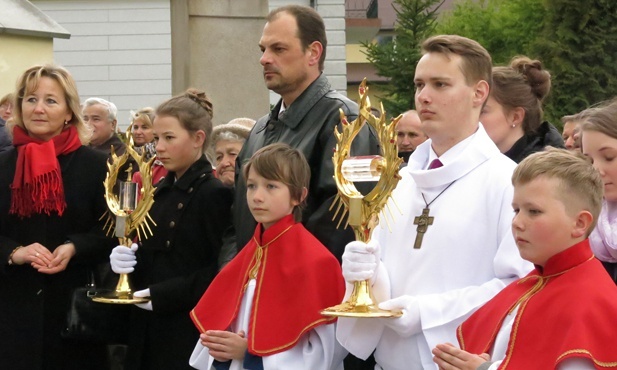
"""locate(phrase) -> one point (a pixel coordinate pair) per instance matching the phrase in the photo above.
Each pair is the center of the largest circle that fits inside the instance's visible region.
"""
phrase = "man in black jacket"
(293, 44)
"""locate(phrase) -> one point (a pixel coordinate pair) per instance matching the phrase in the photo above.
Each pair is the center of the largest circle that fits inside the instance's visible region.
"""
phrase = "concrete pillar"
(215, 47)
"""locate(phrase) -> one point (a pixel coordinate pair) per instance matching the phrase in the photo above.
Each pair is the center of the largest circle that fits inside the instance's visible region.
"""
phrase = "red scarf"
(37, 185)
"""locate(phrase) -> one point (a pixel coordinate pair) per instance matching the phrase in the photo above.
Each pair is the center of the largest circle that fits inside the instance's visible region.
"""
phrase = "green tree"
(506, 28)
(579, 47)
(397, 59)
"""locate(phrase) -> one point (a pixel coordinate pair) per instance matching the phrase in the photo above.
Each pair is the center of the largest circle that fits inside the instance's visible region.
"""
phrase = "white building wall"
(119, 50)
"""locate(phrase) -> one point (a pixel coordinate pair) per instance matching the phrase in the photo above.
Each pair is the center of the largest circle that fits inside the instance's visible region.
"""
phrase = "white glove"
(360, 260)
(408, 324)
(140, 294)
(122, 259)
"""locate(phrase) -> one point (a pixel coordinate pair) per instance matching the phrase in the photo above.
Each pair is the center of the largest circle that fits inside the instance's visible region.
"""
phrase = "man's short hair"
(580, 185)
(311, 27)
(112, 111)
(476, 61)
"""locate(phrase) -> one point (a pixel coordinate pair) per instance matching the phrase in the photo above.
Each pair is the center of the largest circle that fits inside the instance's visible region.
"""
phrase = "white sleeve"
(200, 358)
(576, 364)
(317, 349)
(441, 313)
(361, 336)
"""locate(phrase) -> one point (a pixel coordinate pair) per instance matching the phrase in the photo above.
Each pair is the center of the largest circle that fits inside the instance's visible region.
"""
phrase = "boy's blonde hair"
(280, 162)
(580, 184)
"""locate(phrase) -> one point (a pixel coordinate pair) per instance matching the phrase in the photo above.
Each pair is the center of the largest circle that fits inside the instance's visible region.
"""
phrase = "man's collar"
(295, 113)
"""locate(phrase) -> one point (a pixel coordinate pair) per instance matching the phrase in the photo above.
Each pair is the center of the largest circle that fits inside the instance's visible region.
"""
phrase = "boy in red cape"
(262, 311)
(563, 314)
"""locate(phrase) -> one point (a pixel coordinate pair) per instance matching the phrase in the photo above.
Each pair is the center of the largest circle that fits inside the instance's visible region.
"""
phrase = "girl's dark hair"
(194, 111)
(523, 84)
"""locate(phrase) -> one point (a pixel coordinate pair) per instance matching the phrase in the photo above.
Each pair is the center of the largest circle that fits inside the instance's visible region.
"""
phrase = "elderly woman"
(227, 141)
(50, 234)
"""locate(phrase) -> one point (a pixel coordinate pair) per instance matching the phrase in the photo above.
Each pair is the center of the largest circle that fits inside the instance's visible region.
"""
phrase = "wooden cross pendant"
(422, 221)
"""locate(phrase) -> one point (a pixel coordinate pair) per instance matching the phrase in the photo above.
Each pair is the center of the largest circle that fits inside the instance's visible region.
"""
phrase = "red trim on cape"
(566, 311)
(297, 278)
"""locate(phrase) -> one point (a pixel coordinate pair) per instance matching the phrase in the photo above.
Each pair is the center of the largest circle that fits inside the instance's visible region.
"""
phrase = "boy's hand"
(225, 345)
(448, 357)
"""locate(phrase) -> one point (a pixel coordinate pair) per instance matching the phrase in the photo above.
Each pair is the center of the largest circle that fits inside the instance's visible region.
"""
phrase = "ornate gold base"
(361, 303)
(114, 298)
(348, 310)
(122, 295)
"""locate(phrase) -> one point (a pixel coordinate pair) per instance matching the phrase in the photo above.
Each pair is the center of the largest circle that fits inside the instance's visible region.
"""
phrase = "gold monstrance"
(131, 213)
(364, 209)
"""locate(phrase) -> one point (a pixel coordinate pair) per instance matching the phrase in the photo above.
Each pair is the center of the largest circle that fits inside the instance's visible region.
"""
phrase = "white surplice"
(317, 349)
(467, 255)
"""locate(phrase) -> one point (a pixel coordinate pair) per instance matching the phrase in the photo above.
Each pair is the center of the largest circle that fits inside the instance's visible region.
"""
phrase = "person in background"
(281, 280)
(101, 116)
(51, 236)
(6, 111)
(513, 112)
(572, 126)
(175, 265)
(599, 143)
(557, 198)
(141, 126)
(143, 137)
(293, 45)
(409, 134)
(227, 142)
(567, 134)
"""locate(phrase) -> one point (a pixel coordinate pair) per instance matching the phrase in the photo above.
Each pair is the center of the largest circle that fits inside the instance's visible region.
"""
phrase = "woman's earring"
(513, 125)
(66, 123)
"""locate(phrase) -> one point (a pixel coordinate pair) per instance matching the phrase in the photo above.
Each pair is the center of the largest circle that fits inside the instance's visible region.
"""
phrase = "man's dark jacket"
(307, 125)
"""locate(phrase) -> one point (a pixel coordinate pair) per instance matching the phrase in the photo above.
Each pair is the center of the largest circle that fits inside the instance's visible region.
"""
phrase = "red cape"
(567, 310)
(296, 279)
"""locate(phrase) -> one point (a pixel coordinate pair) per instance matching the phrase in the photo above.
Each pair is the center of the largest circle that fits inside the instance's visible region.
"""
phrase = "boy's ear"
(304, 194)
(584, 219)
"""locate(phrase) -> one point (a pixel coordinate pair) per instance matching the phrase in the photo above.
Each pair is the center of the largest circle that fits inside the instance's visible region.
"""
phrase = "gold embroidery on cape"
(257, 258)
(524, 300)
(261, 267)
(586, 352)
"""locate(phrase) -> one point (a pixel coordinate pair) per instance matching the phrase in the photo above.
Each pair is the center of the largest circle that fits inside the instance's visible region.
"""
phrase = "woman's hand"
(32, 254)
(224, 345)
(61, 257)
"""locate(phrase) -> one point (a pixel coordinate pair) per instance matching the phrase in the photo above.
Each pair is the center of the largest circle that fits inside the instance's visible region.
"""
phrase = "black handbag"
(91, 321)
